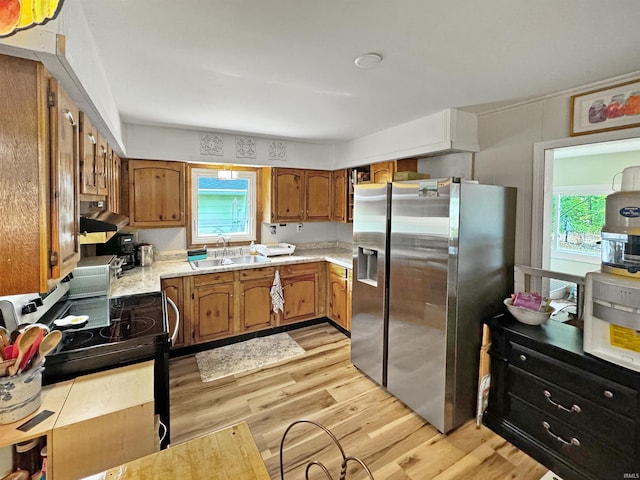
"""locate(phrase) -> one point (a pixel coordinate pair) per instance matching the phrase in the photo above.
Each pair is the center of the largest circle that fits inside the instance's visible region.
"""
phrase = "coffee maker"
(121, 245)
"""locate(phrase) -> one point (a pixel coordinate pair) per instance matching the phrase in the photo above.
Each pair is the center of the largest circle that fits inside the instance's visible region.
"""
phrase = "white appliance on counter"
(275, 249)
(612, 296)
(612, 319)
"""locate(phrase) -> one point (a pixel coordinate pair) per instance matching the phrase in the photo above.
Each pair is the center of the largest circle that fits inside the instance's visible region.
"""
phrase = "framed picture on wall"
(606, 109)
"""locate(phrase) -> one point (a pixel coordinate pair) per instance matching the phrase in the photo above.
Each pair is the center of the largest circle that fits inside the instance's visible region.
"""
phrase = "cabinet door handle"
(92, 138)
(523, 358)
(69, 115)
(574, 408)
(574, 441)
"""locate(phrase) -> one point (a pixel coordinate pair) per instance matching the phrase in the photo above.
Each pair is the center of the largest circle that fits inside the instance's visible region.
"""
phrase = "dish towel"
(277, 298)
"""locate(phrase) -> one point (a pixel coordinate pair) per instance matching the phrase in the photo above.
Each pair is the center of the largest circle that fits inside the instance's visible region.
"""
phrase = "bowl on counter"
(530, 317)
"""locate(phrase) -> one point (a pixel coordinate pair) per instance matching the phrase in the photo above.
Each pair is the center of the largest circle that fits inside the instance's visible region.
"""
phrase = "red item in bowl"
(530, 301)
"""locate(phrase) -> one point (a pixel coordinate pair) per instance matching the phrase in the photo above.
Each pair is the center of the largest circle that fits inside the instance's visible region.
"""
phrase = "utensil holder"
(19, 395)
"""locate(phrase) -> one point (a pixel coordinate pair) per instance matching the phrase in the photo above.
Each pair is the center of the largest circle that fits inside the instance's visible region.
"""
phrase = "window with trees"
(223, 206)
(578, 218)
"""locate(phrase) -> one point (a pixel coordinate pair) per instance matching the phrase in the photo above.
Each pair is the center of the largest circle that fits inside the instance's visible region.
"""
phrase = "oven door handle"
(173, 306)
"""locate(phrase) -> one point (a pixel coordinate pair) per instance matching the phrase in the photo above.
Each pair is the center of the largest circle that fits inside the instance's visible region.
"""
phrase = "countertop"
(147, 279)
(227, 454)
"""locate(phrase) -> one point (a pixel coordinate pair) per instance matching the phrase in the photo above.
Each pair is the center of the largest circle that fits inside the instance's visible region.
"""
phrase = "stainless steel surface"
(217, 262)
(176, 313)
(92, 276)
(102, 221)
(450, 251)
(145, 255)
(368, 322)
(13, 313)
(249, 259)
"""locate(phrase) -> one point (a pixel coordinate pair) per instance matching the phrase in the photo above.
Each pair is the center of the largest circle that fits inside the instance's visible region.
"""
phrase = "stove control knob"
(29, 308)
(38, 301)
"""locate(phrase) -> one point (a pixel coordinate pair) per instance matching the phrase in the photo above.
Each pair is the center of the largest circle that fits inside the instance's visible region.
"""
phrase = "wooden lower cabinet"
(339, 295)
(106, 420)
(99, 421)
(174, 289)
(300, 292)
(219, 305)
(213, 312)
(255, 312)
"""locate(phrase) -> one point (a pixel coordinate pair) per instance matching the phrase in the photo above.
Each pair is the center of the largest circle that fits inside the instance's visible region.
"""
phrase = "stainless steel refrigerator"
(432, 259)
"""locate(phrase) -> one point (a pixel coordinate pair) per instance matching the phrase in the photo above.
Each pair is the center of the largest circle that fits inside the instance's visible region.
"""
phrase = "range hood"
(99, 226)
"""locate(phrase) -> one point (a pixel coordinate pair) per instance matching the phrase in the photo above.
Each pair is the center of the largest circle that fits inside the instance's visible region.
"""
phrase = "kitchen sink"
(209, 263)
(249, 259)
(219, 262)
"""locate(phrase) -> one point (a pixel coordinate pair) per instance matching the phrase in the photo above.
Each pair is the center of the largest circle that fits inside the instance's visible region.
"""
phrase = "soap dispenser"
(252, 249)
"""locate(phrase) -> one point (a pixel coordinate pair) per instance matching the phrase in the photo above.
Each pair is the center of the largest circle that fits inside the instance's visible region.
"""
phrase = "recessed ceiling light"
(368, 60)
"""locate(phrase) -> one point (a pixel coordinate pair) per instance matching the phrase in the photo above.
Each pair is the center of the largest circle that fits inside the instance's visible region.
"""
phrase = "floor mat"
(249, 355)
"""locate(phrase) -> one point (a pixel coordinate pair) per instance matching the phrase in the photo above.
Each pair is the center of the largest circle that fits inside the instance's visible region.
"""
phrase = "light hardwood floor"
(324, 386)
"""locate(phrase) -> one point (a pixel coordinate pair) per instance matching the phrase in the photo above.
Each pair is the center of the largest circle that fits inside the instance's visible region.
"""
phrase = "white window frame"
(251, 234)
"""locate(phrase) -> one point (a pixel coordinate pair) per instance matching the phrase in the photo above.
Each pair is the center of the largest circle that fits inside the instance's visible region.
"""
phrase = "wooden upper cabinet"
(154, 195)
(113, 198)
(38, 202)
(317, 196)
(297, 195)
(65, 209)
(88, 150)
(102, 166)
(382, 172)
(287, 186)
(339, 196)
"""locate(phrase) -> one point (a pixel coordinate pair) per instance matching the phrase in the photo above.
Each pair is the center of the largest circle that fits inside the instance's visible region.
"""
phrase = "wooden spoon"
(24, 343)
(4, 337)
(47, 345)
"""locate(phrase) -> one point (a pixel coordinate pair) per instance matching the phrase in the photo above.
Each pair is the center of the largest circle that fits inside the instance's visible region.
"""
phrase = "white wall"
(175, 239)
(448, 165)
(506, 156)
(159, 143)
(443, 131)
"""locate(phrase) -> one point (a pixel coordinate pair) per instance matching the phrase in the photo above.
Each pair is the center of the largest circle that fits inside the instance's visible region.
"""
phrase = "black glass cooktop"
(130, 318)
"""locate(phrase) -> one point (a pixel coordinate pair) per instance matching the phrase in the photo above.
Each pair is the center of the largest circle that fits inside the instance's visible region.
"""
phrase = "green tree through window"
(577, 223)
(223, 206)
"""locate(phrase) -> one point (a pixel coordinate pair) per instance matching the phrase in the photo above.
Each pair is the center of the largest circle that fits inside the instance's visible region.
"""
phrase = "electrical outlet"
(272, 229)
(299, 227)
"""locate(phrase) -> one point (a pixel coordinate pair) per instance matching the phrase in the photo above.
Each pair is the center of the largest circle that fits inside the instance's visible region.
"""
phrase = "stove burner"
(137, 301)
(122, 329)
(75, 339)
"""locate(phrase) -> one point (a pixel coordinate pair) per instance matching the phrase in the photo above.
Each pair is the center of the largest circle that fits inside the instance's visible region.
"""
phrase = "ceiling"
(285, 68)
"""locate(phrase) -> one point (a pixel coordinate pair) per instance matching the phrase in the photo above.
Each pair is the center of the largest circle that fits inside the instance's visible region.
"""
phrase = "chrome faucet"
(224, 245)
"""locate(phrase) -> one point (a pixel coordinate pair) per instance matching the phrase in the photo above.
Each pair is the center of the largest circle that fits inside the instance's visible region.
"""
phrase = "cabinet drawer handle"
(608, 394)
(574, 408)
(574, 441)
(523, 357)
